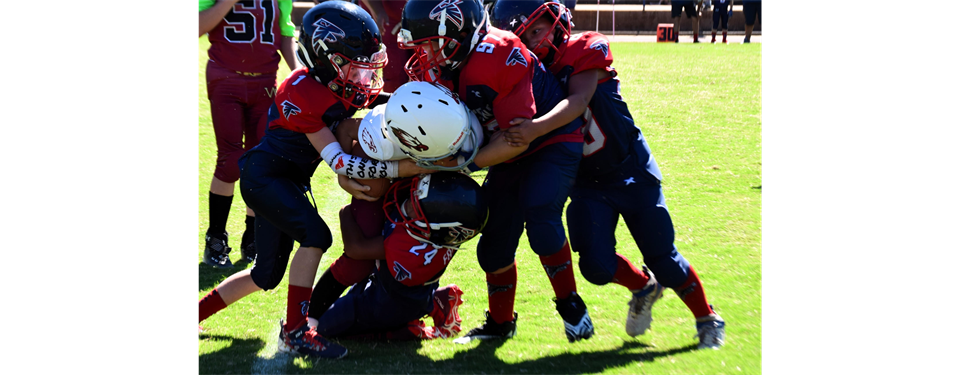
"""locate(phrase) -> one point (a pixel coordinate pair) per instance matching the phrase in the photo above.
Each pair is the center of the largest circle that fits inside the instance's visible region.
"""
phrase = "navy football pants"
(530, 191)
(592, 219)
(369, 308)
(271, 187)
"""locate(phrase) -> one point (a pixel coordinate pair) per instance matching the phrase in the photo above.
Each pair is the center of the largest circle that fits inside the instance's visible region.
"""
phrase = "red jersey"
(301, 105)
(582, 52)
(496, 80)
(248, 37)
(304, 104)
(414, 263)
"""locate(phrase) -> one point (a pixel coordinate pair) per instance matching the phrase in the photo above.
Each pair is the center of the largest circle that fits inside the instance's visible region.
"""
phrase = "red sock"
(724, 36)
(692, 294)
(501, 292)
(210, 304)
(629, 275)
(560, 270)
(298, 304)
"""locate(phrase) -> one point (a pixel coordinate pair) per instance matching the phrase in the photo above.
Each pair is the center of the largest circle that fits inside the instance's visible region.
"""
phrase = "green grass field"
(699, 108)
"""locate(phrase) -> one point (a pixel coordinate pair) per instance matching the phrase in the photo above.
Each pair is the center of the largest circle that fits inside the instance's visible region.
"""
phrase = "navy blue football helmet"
(445, 209)
(456, 26)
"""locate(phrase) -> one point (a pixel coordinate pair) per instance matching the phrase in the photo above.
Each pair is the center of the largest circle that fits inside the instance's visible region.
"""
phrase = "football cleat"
(305, 340)
(491, 330)
(445, 314)
(216, 253)
(576, 321)
(711, 332)
(639, 315)
(415, 330)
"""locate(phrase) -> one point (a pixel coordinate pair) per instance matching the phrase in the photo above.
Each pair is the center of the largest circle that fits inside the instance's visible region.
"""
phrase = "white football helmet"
(430, 123)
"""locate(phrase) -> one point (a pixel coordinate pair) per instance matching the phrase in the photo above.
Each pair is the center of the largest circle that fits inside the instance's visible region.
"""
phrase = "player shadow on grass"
(583, 362)
(405, 357)
(237, 352)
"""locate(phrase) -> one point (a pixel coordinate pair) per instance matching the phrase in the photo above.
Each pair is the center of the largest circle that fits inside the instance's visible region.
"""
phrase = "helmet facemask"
(341, 46)
(548, 47)
(437, 54)
(357, 81)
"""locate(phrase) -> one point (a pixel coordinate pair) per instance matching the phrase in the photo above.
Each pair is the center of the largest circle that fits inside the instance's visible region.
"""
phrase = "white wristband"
(357, 167)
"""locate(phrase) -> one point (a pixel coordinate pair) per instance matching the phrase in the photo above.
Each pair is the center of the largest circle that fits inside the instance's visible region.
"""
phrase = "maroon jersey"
(248, 37)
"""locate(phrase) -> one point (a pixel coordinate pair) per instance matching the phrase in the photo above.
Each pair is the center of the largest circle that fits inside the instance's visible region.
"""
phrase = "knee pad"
(671, 269)
(595, 271)
(493, 257)
(316, 233)
(228, 167)
(546, 238)
(271, 262)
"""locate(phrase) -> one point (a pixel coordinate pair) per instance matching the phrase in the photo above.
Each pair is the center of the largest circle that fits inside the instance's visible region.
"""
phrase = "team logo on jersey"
(453, 12)
(602, 46)
(289, 109)
(554, 270)
(327, 32)
(409, 140)
(400, 272)
(516, 57)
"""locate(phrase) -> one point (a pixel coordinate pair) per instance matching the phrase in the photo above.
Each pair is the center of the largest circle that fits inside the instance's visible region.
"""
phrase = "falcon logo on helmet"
(409, 140)
(459, 235)
(453, 12)
(289, 109)
(367, 138)
(327, 32)
(601, 46)
(516, 57)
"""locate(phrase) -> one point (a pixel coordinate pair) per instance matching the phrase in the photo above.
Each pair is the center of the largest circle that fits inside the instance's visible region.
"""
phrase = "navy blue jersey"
(611, 139)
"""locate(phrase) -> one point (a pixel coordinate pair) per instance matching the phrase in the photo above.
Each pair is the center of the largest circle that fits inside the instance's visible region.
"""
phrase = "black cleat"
(217, 253)
(576, 321)
(491, 330)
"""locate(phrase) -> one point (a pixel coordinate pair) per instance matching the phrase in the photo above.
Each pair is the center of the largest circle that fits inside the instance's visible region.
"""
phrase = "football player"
(618, 175)
(429, 217)
(505, 86)
(341, 50)
(241, 80)
(422, 121)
